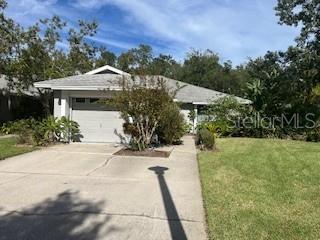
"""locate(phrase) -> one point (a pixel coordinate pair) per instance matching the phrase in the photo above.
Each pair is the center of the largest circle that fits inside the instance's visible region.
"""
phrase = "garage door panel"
(100, 114)
(98, 125)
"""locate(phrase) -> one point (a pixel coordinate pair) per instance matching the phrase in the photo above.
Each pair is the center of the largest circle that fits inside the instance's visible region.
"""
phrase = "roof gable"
(107, 70)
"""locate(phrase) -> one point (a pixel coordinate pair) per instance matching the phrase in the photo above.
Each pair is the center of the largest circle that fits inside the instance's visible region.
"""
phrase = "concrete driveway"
(82, 191)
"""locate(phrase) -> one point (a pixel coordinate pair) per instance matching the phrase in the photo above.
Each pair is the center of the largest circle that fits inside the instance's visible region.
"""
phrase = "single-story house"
(76, 97)
(18, 105)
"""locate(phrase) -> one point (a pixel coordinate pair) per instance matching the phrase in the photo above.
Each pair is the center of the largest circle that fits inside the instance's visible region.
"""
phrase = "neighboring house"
(76, 97)
(14, 105)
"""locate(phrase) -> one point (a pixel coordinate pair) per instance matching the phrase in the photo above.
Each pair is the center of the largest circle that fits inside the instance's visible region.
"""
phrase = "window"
(202, 109)
(94, 100)
(80, 100)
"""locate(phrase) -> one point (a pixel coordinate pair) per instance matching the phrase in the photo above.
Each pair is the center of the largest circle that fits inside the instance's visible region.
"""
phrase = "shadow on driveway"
(176, 228)
(64, 217)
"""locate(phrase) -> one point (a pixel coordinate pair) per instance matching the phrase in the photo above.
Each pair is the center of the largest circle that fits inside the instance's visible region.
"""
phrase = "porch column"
(64, 104)
(195, 120)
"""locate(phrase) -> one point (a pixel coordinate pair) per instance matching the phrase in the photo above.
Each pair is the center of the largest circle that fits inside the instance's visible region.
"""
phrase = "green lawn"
(262, 189)
(8, 148)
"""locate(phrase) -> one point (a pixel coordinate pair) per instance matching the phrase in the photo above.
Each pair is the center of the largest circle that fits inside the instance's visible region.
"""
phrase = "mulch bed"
(146, 153)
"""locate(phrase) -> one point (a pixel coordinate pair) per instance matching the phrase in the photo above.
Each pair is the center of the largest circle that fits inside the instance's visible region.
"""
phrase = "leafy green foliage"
(22, 128)
(11, 34)
(82, 54)
(203, 69)
(166, 66)
(284, 83)
(304, 13)
(313, 135)
(206, 139)
(224, 112)
(50, 129)
(136, 60)
(231, 118)
(106, 58)
(199, 68)
(33, 54)
(46, 131)
(143, 102)
(69, 130)
(206, 135)
(171, 125)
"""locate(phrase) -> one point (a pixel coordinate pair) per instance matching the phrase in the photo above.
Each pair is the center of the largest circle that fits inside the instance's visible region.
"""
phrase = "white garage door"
(98, 123)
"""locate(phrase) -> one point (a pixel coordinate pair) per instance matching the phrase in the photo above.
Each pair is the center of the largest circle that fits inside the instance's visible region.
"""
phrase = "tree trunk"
(45, 101)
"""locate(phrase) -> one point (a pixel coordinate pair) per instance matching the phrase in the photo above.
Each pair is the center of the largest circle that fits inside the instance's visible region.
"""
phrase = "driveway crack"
(29, 214)
(103, 165)
(16, 179)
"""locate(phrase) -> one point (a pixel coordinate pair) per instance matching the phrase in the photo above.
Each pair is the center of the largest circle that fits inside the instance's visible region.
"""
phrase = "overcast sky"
(235, 29)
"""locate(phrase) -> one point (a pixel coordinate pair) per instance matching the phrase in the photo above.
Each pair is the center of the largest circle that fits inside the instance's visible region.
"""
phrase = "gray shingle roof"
(4, 87)
(188, 93)
(83, 82)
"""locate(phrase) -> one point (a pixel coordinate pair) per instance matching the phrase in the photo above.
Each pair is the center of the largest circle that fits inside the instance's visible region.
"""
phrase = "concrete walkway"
(6, 136)
(82, 191)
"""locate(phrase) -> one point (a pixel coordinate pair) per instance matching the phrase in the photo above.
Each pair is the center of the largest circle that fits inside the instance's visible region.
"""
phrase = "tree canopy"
(278, 82)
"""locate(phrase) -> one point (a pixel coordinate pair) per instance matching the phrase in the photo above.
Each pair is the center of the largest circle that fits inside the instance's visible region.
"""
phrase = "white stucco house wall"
(76, 98)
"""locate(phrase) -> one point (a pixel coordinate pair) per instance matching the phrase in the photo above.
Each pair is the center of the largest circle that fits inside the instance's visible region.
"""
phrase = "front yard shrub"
(206, 139)
(42, 132)
(313, 135)
(143, 104)
(188, 127)
(50, 129)
(172, 125)
(239, 120)
(206, 135)
(69, 130)
(22, 128)
(224, 112)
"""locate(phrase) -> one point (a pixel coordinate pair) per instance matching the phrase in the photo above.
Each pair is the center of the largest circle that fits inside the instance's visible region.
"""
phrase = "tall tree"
(304, 13)
(284, 82)
(105, 58)
(82, 53)
(126, 61)
(166, 66)
(303, 61)
(199, 68)
(39, 58)
(136, 60)
(10, 39)
(267, 88)
(204, 69)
